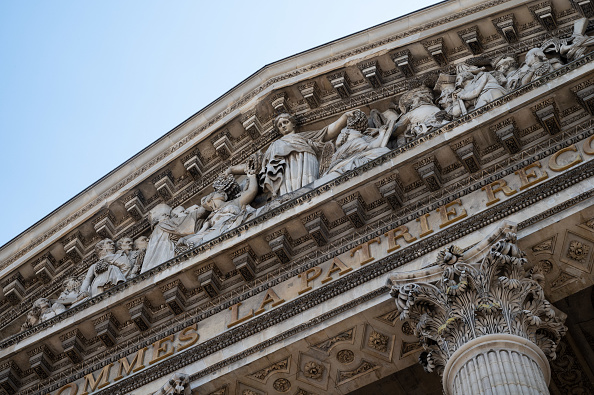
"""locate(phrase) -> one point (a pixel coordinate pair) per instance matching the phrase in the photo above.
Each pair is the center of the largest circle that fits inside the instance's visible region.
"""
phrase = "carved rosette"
(491, 301)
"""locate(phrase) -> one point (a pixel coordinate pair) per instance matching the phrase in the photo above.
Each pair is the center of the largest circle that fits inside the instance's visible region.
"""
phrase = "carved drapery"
(485, 314)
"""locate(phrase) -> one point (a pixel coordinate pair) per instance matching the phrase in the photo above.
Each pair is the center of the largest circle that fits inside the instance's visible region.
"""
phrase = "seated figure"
(418, 114)
(168, 228)
(226, 212)
(107, 272)
(475, 88)
(71, 292)
(42, 310)
(355, 145)
(506, 72)
(537, 64)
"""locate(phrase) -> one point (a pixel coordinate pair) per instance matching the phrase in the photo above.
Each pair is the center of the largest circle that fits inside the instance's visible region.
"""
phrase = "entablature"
(288, 236)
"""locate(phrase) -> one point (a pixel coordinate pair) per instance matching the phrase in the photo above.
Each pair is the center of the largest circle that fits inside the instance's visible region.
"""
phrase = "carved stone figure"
(355, 146)
(43, 309)
(168, 229)
(475, 88)
(573, 47)
(137, 255)
(177, 385)
(419, 115)
(537, 64)
(291, 162)
(125, 246)
(107, 272)
(225, 212)
(70, 295)
(506, 72)
(446, 85)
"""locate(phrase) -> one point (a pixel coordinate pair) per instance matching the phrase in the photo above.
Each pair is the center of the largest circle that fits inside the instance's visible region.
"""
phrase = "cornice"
(198, 127)
(361, 276)
(396, 220)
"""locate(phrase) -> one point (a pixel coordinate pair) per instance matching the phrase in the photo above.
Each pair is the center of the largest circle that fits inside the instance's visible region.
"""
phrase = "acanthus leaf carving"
(470, 300)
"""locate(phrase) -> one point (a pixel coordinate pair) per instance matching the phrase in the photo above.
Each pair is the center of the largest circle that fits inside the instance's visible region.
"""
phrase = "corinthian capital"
(485, 290)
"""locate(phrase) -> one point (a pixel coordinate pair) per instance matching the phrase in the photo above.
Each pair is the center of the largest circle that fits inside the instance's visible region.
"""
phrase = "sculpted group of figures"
(112, 267)
(307, 159)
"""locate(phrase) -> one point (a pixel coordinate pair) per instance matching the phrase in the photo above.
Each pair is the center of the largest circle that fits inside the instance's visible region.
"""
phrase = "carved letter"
(73, 389)
(425, 229)
(188, 335)
(497, 186)
(235, 315)
(364, 248)
(270, 297)
(127, 367)
(397, 233)
(101, 381)
(337, 266)
(525, 176)
(305, 279)
(588, 146)
(161, 346)
(553, 159)
(445, 213)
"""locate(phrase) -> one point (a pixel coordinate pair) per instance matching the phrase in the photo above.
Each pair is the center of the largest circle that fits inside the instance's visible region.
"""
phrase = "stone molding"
(233, 108)
(333, 249)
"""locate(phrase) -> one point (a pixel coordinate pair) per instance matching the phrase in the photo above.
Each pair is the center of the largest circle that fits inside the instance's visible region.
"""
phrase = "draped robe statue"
(355, 145)
(168, 229)
(291, 162)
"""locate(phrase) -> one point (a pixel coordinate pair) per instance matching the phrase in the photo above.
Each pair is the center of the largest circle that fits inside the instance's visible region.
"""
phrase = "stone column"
(497, 364)
(482, 319)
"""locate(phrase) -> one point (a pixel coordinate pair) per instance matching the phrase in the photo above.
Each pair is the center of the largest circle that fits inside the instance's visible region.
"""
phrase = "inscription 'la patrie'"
(404, 235)
(361, 255)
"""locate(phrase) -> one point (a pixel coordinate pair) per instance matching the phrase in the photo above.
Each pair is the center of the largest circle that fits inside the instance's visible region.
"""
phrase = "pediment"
(428, 188)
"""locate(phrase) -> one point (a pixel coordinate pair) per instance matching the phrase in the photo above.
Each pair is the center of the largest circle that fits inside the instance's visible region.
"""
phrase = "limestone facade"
(419, 191)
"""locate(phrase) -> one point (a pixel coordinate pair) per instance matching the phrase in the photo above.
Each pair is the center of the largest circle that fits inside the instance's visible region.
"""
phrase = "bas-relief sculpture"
(418, 115)
(291, 162)
(112, 268)
(475, 87)
(298, 159)
(537, 64)
(168, 227)
(357, 144)
(506, 71)
(573, 47)
(226, 212)
(108, 271)
(43, 309)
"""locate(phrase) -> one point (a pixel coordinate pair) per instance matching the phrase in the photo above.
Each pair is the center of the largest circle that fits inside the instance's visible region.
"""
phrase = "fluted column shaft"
(465, 318)
(497, 364)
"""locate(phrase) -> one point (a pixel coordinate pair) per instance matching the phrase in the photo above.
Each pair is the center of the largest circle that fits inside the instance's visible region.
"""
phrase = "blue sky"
(85, 85)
